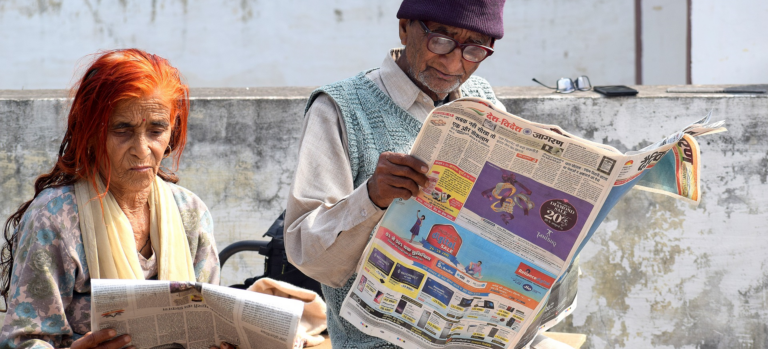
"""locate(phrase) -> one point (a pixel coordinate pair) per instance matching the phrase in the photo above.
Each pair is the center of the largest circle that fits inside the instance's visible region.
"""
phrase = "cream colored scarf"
(110, 248)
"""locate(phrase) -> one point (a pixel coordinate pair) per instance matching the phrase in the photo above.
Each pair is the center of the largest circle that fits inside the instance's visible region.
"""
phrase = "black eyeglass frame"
(431, 35)
(575, 86)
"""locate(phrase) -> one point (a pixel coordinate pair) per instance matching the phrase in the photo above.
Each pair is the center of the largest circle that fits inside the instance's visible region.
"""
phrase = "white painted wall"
(549, 39)
(239, 43)
(665, 29)
(729, 42)
(214, 43)
(299, 42)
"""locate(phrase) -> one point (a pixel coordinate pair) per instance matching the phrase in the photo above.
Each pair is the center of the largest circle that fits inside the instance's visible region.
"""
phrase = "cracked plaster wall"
(658, 273)
(662, 273)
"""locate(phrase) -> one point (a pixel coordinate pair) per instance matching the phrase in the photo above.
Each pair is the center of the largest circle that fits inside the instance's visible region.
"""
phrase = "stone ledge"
(503, 92)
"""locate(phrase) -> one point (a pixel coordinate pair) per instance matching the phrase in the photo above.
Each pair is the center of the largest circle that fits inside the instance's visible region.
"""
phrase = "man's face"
(440, 74)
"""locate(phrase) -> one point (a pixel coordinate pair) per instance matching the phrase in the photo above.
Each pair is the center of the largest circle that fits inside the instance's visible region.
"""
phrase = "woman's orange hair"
(113, 77)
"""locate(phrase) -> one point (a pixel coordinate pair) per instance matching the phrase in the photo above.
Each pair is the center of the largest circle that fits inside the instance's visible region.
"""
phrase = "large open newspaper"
(483, 256)
(176, 315)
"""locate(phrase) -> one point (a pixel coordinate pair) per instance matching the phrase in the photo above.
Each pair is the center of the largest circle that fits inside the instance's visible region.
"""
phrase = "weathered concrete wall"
(658, 273)
(664, 273)
(240, 156)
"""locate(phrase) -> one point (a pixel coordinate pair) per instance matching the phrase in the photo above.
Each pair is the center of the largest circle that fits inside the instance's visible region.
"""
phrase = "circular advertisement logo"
(558, 214)
(527, 287)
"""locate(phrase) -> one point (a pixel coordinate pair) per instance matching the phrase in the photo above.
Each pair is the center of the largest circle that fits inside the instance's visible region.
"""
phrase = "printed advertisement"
(484, 255)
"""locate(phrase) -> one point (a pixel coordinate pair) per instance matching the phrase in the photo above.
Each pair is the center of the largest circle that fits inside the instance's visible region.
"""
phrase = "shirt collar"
(399, 86)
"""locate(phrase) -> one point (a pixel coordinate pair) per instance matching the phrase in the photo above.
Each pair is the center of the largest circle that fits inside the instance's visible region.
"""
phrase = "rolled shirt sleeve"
(328, 221)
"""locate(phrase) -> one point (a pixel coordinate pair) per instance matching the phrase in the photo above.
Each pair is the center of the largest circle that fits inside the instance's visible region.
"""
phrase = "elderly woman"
(106, 210)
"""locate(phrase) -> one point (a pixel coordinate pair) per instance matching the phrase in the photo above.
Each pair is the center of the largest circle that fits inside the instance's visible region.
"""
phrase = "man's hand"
(396, 176)
(101, 340)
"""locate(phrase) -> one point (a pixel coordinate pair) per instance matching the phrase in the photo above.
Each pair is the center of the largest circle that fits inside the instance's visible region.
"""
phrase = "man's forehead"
(456, 31)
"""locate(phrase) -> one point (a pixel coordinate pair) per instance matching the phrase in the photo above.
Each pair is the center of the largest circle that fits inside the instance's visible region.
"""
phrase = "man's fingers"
(400, 193)
(407, 160)
(403, 183)
(393, 188)
(396, 176)
(405, 171)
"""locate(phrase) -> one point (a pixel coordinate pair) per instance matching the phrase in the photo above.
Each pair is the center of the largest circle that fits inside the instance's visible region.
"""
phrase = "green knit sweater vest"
(374, 124)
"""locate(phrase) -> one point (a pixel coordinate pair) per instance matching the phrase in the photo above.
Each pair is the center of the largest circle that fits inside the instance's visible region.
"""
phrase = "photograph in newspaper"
(433, 277)
(170, 314)
(471, 261)
(543, 220)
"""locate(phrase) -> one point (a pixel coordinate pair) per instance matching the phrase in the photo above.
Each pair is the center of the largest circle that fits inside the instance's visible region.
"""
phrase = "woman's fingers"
(116, 343)
(223, 345)
(100, 339)
(92, 339)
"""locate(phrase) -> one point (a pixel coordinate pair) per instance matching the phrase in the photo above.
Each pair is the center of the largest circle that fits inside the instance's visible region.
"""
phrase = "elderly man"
(352, 158)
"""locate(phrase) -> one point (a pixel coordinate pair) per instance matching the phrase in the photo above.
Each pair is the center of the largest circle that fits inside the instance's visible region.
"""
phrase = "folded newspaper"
(170, 315)
(484, 255)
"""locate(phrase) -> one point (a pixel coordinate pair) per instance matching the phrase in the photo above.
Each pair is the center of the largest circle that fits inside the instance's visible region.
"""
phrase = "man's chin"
(440, 86)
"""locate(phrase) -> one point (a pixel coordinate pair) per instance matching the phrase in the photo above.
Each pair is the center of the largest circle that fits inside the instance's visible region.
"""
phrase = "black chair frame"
(241, 246)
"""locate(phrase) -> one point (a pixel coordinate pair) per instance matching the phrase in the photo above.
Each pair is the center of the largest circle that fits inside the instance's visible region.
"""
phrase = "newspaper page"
(561, 303)
(473, 260)
(193, 315)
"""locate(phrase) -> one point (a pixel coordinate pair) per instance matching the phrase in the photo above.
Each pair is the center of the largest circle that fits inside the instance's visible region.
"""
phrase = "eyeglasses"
(440, 44)
(566, 85)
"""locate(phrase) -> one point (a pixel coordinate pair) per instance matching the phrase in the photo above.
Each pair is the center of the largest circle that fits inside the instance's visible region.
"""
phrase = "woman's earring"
(167, 152)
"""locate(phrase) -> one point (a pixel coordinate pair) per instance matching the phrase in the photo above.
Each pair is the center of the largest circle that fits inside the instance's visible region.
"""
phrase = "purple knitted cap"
(482, 16)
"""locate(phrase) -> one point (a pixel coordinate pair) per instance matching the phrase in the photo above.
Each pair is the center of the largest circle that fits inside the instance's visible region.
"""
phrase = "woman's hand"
(223, 345)
(101, 340)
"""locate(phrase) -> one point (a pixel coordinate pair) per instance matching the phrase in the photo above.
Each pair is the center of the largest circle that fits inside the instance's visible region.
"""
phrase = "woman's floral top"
(49, 302)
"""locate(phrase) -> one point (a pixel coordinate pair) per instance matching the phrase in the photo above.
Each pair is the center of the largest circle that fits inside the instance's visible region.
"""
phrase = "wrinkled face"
(440, 74)
(137, 137)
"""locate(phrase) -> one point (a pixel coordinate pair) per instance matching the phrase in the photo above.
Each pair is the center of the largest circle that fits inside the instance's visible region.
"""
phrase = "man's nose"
(452, 61)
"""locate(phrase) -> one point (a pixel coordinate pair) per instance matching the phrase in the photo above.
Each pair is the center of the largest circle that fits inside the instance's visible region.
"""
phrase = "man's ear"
(403, 25)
